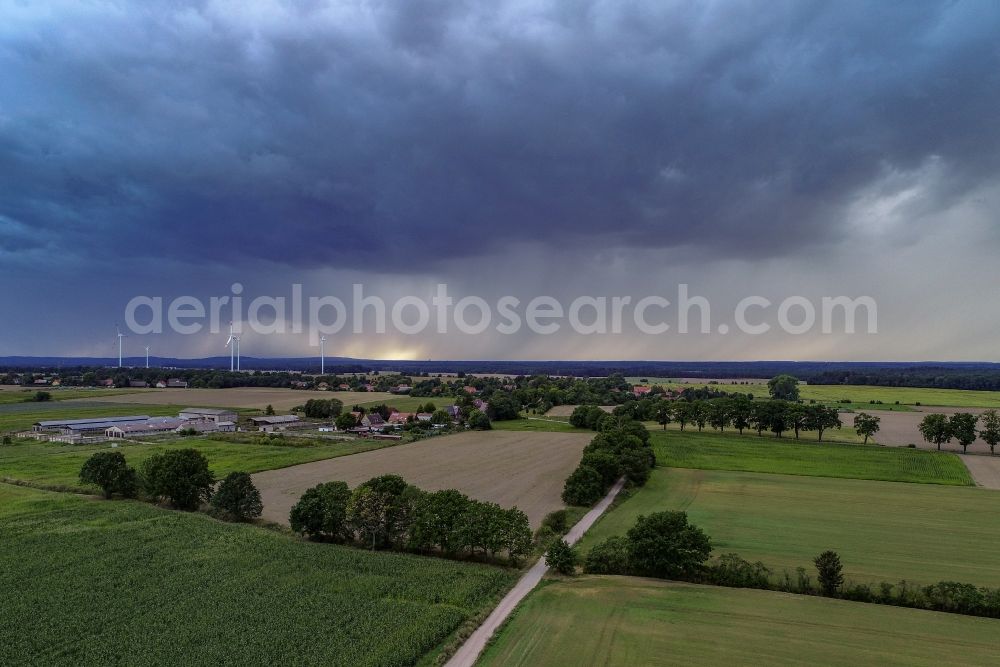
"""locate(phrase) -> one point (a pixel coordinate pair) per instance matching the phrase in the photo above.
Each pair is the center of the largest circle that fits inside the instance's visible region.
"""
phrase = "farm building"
(277, 423)
(373, 421)
(93, 425)
(138, 384)
(149, 427)
(209, 414)
(174, 383)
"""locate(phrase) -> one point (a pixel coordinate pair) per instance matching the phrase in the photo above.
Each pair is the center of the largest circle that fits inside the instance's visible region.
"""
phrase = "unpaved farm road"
(467, 655)
(521, 468)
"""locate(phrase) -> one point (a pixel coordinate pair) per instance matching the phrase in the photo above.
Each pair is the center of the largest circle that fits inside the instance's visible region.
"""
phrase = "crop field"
(749, 453)
(905, 395)
(506, 467)
(57, 464)
(245, 397)
(883, 531)
(630, 621)
(538, 424)
(91, 582)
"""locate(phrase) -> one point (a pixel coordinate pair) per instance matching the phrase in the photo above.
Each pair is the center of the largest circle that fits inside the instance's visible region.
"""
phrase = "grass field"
(627, 621)
(14, 394)
(749, 453)
(882, 530)
(56, 464)
(505, 467)
(91, 582)
(905, 395)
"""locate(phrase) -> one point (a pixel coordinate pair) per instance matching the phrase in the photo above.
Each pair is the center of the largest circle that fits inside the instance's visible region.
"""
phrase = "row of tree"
(621, 448)
(180, 477)
(939, 429)
(388, 513)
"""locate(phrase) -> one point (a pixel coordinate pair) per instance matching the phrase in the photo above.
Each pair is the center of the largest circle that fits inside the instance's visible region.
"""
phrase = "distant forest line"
(940, 375)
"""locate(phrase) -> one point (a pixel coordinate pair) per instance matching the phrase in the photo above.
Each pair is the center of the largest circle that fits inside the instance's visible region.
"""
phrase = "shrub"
(318, 408)
(237, 499)
(180, 476)
(42, 397)
(583, 487)
(562, 557)
(479, 420)
(608, 557)
(321, 512)
(830, 572)
(557, 522)
(731, 570)
(665, 545)
(7, 440)
(109, 471)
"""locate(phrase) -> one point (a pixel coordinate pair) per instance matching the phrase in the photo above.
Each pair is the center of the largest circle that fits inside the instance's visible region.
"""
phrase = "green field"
(90, 582)
(21, 394)
(882, 530)
(628, 621)
(56, 464)
(730, 451)
(20, 416)
(962, 398)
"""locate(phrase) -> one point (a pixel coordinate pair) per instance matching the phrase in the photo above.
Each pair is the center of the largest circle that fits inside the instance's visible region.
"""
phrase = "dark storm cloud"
(383, 135)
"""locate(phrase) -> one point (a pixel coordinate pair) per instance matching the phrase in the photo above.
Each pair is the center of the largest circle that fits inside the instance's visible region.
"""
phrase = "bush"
(319, 408)
(830, 572)
(109, 471)
(42, 397)
(7, 440)
(321, 513)
(608, 557)
(180, 476)
(665, 545)
(237, 499)
(479, 420)
(731, 570)
(583, 487)
(557, 522)
(562, 557)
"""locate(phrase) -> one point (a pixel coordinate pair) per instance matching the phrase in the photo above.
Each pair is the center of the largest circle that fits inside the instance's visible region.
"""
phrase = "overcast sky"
(504, 148)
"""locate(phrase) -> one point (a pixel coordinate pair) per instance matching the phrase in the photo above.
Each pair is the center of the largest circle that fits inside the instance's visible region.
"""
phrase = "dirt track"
(526, 469)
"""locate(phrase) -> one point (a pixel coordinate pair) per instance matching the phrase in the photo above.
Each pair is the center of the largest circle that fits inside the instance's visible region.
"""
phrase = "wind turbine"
(234, 349)
(120, 337)
(147, 356)
(322, 355)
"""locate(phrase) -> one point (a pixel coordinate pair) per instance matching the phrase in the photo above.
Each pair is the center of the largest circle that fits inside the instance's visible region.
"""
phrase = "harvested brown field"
(985, 470)
(241, 397)
(526, 469)
(902, 428)
(567, 410)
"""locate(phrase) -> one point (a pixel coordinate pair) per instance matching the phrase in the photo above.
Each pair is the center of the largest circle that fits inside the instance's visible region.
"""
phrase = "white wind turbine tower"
(120, 337)
(234, 349)
(322, 355)
(147, 356)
